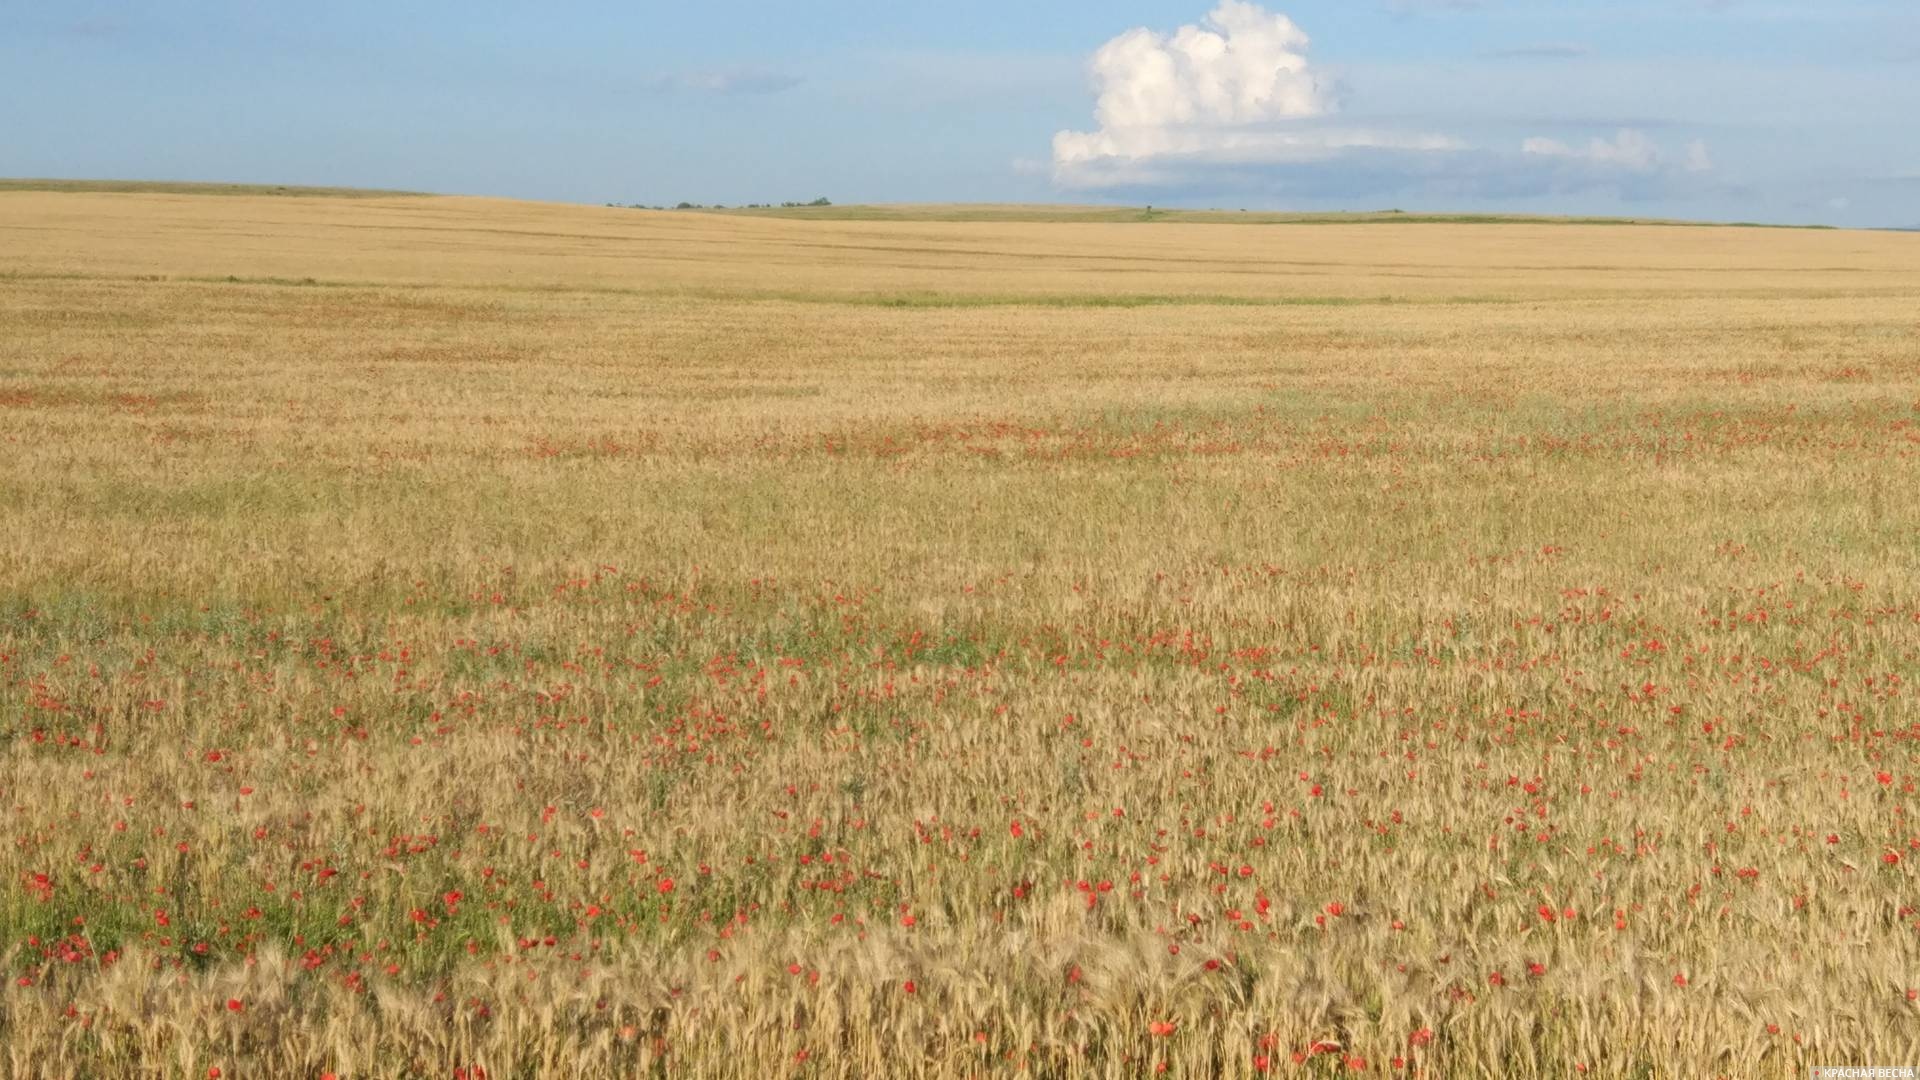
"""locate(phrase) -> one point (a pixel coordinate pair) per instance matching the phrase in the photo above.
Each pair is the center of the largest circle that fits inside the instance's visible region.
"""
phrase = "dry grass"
(443, 634)
(12, 185)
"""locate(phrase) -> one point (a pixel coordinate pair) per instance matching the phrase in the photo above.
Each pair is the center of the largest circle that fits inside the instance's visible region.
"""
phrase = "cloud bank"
(1629, 149)
(1234, 105)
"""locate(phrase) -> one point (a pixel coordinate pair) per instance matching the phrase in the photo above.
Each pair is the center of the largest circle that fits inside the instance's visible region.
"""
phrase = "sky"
(1762, 110)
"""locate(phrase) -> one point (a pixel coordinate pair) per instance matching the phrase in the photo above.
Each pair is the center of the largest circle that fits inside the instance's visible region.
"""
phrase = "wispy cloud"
(724, 82)
(1415, 7)
(97, 27)
(1233, 104)
(1539, 52)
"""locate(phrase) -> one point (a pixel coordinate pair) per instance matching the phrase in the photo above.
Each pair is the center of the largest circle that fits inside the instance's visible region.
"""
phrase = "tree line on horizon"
(821, 201)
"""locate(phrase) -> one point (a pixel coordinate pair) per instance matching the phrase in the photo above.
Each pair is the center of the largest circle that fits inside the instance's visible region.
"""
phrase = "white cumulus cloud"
(1233, 103)
(1242, 65)
(1221, 89)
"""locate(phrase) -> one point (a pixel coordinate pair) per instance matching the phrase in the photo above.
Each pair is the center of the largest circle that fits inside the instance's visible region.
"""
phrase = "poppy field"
(463, 638)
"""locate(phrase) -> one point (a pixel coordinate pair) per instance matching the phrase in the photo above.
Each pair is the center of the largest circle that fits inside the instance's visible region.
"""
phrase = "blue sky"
(1719, 109)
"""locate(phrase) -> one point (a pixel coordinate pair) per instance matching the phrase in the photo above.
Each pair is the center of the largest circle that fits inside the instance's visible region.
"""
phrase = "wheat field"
(456, 638)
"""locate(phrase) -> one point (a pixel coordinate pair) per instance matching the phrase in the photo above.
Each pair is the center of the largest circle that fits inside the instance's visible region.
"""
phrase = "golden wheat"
(459, 637)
